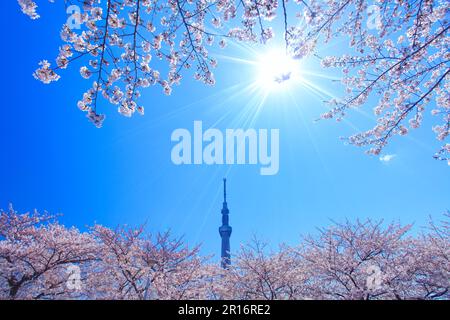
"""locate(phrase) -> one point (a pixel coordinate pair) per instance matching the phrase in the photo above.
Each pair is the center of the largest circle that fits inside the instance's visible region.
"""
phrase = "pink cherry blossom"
(36, 253)
(403, 60)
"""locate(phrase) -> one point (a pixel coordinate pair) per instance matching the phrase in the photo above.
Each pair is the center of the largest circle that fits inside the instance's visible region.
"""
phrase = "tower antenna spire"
(224, 190)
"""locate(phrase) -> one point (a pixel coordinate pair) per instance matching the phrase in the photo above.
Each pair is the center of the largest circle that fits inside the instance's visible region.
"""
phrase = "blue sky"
(53, 159)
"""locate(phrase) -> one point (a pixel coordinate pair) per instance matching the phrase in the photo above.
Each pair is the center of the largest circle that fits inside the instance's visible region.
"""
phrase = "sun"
(276, 70)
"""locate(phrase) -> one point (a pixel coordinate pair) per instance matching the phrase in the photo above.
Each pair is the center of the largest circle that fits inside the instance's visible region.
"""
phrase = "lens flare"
(276, 70)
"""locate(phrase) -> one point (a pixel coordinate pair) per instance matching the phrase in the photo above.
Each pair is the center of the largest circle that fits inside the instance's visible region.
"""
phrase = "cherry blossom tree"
(362, 260)
(403, 59)
(432, 255)
(120, 39)
(343, 257)
(398, 51)
(131, 266)
(35, 254)
(42, 259)
(260, 274)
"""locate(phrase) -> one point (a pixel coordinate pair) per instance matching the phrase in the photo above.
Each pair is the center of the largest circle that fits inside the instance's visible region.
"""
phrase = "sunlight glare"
(276, 70)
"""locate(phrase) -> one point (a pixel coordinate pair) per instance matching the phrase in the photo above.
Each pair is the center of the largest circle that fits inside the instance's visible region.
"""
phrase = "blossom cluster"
(29, 7)
(406, 63)
(37, 253)
(128, 45)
